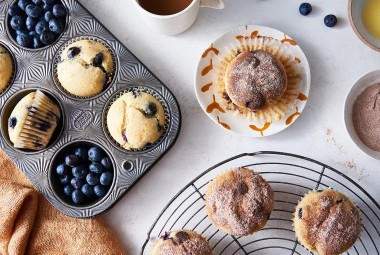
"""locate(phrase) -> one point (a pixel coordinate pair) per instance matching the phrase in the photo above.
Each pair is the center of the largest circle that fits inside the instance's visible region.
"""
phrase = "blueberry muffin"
(6, 68)
(327, 222)
(182, 242)
(33, 121)
(86, 67)
(255, 79)
(135, 120)
(239, 202)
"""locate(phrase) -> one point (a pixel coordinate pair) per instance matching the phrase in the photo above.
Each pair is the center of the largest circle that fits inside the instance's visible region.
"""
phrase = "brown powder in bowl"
(366, 117)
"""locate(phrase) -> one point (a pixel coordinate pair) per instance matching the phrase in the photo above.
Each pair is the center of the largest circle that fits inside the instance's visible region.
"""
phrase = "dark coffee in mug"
(164, 7)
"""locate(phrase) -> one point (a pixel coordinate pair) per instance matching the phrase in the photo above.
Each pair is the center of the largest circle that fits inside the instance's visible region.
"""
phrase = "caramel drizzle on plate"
(291, 41)
(223, 124)
(302, 97)
(261, 130)
(214, 106)
(206, 87)
(210, 49)
(207, 69)
(290, 119)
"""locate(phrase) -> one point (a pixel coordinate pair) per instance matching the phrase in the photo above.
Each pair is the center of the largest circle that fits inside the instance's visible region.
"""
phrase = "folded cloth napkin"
(30, 225)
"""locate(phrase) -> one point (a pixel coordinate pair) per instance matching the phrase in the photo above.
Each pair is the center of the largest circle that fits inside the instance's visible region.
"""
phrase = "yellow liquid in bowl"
(371, 17)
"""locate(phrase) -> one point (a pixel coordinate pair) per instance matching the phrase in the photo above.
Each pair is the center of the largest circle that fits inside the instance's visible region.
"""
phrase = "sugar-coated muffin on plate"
(327, 222)
(6, 68)
(181, 242)
(33, 121)
(135, 120)
(86, 67)
(239, 202)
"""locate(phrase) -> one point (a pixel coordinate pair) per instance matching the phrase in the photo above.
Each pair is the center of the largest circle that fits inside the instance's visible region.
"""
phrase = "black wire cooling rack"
(291, 176)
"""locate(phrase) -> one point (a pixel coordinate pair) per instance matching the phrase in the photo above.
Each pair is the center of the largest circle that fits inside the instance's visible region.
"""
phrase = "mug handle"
(215, 4)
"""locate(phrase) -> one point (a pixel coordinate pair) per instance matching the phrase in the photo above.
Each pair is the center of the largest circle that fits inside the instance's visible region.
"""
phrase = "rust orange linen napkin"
(30, 225)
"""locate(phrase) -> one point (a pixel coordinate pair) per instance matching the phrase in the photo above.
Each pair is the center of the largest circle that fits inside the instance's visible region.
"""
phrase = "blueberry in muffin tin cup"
(12, 34)
(13, 76)
(57, 60)
(53, 178)
(117, 95)
(8, 108)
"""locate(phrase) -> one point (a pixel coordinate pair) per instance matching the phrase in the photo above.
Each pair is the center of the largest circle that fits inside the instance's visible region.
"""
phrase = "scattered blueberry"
(95, 154)
(33, 11)
(48, 1)
(107, 163)
(48, 16)
(98, 60)
(18, 22)
(23, 4)
(62, 169)
(25, 40)
(68, 189)
(56, 25)
(99, 190)
(59, 11)
(47, 7)
(30, 23)
(14, 10)
(330, 20)
(77, 183)
(78, 197)
(80, 171)
(72, 52)
(92, 179)
(64, 180)
(38, 2)
(37, 42)
(106, 178)
(42, 26)
(151, 109)
(81, 153)
(96, 167)
(71, 160)
(305, 9)
(88, 190)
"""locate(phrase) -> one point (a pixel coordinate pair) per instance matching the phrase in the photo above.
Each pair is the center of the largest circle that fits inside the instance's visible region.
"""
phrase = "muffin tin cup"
(117, 95)
(8, 108)
(83, 118)
(12, 34)
(56, 61)
(12, 79)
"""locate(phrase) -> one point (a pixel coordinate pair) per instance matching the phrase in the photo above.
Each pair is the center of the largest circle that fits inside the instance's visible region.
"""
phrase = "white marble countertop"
(337, 59)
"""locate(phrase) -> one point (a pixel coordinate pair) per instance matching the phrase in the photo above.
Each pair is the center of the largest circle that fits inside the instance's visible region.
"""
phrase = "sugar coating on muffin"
(327, 222)
(86, 67)
(135, 120)
(33, 121)
(6, 68)
(255, 79)
(181, 242)
(239, 202)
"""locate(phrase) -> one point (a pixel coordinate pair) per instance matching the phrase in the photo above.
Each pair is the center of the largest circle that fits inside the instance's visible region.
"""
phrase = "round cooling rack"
(291, 176)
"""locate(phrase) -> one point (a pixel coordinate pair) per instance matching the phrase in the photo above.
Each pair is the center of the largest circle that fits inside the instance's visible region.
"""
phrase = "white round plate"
(208, 98)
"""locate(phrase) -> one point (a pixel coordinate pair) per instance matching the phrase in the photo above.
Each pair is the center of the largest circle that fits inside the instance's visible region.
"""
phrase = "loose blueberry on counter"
(62, 169)
(151, 109)
(77, 183)
(23, 4)
(71, 160)
(24, 40)
(305, 9)
(14, 10)
(68, 189)
(33, 11)
(56, 26)
(95, 154)
(31, 23)
(78, 197)
(106, 178)
(72, 52)
(330, 20)
(107, 163)
(92, 179)
(96, 167)
(80, 171)
(99, 190)
(59, 11)
(18, 22)
(88, 190)
(12, 122)
(81, 153)
(48, 16)
(64, 180)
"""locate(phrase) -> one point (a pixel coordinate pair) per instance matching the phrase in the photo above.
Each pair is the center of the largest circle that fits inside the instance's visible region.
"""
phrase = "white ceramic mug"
(178, 22)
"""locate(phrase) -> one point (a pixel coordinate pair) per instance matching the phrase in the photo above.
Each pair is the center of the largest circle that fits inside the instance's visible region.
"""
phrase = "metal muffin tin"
(83, 119)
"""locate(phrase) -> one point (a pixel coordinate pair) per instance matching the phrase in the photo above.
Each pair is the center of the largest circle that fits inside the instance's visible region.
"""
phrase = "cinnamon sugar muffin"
(255, 79)
(239, 202)
(327, 222)
(181, 242)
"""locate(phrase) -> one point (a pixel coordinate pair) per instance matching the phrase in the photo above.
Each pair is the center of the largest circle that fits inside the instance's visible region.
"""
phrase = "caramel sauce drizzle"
(261, 130)
(223, 124)
(297, 59)
(207, 69)
(302, 97)
(214, 106)
(289, 120)
(254, 34)
(206, 87)
(292, 42)
(210, 49)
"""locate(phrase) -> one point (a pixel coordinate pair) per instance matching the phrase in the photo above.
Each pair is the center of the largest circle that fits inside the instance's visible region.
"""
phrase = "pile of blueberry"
(85, 175)
(37, 23)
